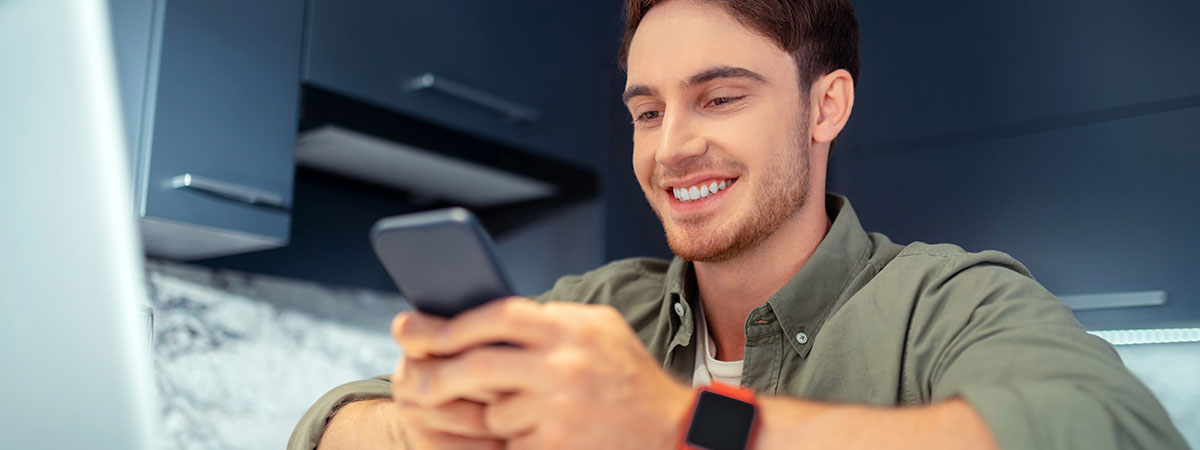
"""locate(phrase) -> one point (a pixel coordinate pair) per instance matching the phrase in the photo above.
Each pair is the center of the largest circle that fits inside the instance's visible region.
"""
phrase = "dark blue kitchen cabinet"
(1064, 133)
(215, 120)
(945, 72)
(1097, 209)
(530, 74)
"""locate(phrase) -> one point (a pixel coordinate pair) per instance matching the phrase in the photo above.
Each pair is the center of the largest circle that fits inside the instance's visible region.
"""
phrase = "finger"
(420, 439)
(477, 373)
(485, 398)
(458, 417)
(415, 332)
(412, 377)
(513, 415)
(512, 320)
(538, 440)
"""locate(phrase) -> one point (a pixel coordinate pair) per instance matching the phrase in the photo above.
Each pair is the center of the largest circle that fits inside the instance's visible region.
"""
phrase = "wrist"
(678, 409)
(362, 424)
(720, 417)
(388, 414)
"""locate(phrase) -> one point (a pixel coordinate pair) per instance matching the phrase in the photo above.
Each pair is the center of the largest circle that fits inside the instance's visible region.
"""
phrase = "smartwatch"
(723, 418)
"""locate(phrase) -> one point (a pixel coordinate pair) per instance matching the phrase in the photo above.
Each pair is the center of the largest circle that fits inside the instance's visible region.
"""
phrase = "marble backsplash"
(240, 357)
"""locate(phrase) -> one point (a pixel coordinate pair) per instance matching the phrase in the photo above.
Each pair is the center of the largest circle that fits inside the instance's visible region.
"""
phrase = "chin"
(701, 245)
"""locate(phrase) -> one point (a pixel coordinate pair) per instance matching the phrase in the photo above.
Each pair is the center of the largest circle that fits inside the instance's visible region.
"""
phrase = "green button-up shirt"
(872, 322)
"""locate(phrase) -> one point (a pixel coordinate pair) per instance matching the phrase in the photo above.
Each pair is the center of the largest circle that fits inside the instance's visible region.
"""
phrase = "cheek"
(756, 139)
(643, 163)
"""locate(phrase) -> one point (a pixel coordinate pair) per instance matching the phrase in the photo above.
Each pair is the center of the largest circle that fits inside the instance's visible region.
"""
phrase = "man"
(841, 338)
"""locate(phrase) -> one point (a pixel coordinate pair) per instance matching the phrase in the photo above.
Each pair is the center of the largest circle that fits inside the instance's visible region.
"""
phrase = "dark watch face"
(720, 423)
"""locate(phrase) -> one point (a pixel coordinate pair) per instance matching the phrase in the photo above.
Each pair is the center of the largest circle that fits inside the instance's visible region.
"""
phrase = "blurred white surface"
(1172, 372)
(76, 373)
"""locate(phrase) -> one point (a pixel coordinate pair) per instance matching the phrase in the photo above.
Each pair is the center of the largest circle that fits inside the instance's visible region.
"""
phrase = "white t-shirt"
(708, 367)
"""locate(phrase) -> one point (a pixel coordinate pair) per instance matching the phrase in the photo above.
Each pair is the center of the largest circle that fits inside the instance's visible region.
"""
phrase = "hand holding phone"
(442, 260)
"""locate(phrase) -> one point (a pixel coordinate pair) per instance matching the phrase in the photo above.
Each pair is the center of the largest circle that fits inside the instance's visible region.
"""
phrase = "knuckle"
(603, 315)
(561, 403)
(612, 314)
(417, 382)
(398, 323)
(429, 390)
(567, 365)
(559, 309)
(509, 309)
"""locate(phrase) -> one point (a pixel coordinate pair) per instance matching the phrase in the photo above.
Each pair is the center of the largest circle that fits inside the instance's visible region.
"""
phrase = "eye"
(647, 116)
(720, 101)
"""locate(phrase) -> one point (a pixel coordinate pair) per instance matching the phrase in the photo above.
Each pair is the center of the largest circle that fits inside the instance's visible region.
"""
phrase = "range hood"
(352, 138)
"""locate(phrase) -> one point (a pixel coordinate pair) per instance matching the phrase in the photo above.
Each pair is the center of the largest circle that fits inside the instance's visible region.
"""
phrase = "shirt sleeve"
(311, 427)
(307, 433)
(1017, 355)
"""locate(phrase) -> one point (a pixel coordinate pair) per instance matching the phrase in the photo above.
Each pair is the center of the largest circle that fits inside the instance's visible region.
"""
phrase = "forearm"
(789, 423)
(368, 424)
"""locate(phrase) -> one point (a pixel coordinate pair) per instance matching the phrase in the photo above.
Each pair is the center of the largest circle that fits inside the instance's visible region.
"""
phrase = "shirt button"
(679, 309)
(802, 338)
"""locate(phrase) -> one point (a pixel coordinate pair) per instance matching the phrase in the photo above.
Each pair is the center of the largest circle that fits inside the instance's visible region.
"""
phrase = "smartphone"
(442, 261)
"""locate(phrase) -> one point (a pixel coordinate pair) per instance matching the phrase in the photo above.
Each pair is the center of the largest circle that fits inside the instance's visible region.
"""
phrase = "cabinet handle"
(229, 191)
(148, 314)
(1115, 300)
(515, 112)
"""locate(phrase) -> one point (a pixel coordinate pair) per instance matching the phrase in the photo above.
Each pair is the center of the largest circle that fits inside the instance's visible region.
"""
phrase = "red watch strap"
(734, 392)
(740, 393)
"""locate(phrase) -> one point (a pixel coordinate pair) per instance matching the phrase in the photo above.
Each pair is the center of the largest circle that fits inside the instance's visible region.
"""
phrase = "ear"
(830, 100)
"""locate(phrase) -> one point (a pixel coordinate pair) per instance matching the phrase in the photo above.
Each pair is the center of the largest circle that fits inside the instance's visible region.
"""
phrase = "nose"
(680, 140)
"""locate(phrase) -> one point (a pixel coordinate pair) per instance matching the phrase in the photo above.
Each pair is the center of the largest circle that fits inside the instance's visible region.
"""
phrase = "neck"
(731, 289)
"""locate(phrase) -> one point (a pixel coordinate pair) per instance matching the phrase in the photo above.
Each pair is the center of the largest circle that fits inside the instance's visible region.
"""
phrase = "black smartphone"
(442, 261)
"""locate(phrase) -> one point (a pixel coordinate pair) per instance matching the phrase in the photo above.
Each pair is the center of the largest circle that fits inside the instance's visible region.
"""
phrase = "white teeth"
(700, 191)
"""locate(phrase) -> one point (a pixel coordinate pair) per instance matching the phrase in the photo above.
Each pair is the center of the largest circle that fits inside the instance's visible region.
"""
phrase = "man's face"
(715, 105)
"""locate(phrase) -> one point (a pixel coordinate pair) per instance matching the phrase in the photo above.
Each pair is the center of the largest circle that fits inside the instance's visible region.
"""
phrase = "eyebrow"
(636, 90)
(701, 77)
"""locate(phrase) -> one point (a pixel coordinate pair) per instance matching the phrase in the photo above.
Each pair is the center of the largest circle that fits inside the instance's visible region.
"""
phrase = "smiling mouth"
(701, 191)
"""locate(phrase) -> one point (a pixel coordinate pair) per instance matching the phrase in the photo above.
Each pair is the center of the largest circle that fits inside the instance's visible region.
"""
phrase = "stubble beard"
(776, 197)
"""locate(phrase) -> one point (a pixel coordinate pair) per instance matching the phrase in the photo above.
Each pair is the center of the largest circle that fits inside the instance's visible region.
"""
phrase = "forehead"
(679, 38)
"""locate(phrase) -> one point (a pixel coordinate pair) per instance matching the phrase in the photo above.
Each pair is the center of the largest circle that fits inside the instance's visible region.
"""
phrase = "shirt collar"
(803, 304)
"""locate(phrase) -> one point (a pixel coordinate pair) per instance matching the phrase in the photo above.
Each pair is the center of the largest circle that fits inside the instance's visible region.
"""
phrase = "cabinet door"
(224, 90)
(132, 25)
(1064, 133)
(1016, 66)
(1098, 209)
(534, 55)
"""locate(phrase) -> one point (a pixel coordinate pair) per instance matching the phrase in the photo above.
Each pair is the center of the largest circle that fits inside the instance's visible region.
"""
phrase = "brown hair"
(821, 35)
